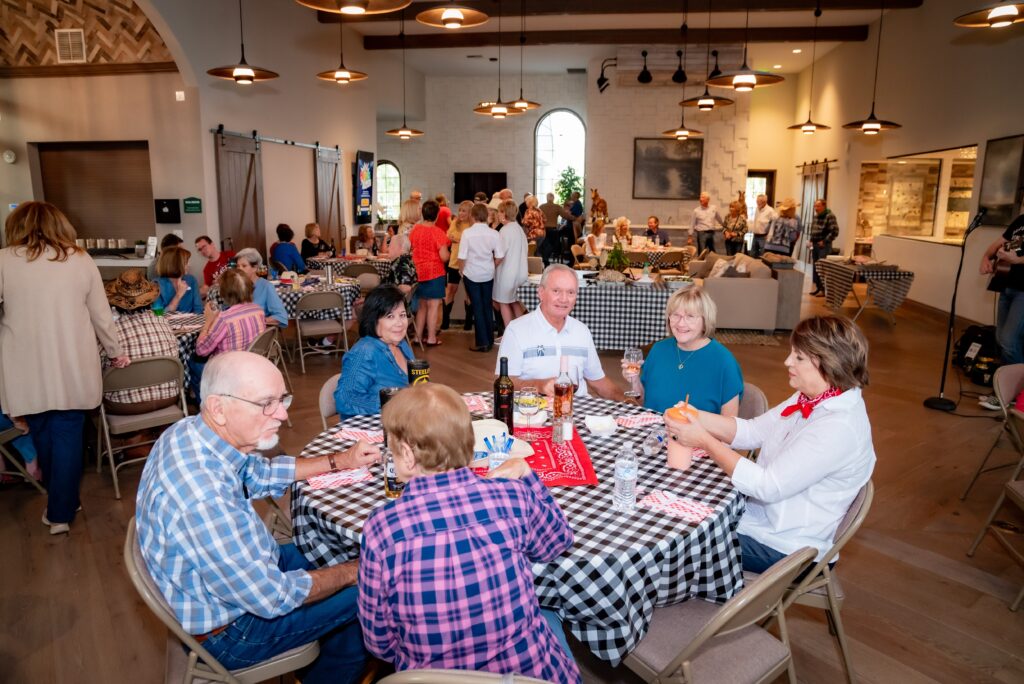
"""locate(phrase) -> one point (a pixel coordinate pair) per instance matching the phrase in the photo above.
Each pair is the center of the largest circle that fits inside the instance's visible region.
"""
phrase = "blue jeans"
(705, 239)
(251, 639)
(757, 557)
(1010, 325)
(757, 247)
(556, 626)
(816, 254)
(483, 315)
(58, 439)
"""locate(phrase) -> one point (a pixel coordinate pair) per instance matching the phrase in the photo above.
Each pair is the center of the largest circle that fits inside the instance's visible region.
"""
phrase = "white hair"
(251, 255)
(218, 376)
(555, 268)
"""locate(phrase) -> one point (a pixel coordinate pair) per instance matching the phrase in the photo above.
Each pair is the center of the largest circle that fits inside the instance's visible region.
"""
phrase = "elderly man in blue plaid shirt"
(223, 574)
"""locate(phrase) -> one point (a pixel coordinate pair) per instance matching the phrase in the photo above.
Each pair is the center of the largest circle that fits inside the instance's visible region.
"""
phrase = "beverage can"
(419, 371)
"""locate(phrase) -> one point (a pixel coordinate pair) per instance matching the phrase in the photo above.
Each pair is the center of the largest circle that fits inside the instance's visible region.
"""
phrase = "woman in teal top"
(689, 362)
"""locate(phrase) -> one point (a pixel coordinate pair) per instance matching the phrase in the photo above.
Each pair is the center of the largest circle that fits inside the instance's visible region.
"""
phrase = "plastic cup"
(496, 458)
(679, 457)
(158, 311)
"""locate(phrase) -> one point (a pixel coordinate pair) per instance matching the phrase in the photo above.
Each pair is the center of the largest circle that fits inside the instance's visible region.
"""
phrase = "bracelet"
(330, 459)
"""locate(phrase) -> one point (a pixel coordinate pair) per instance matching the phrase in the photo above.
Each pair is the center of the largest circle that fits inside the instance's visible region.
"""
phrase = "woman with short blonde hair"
(622, 231)
(313, 247)
(689, 363)
(503, 524)
(461, 222)
(734, 227)
(815, 448)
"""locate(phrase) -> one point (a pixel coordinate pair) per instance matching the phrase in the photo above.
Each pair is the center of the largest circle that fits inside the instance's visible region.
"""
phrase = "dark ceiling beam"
(465, 39)
(538, 8)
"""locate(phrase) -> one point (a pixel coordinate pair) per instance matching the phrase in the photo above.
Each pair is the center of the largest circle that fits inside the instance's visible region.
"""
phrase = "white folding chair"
(268, 346)
(196, 664)
(306, 328)
(1007, 383)
(155, 370)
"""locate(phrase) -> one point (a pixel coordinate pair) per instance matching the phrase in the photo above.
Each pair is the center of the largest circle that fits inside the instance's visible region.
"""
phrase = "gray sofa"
(763, 300)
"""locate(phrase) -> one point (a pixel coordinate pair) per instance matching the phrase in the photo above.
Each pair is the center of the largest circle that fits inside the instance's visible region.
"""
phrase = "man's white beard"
(268, 443)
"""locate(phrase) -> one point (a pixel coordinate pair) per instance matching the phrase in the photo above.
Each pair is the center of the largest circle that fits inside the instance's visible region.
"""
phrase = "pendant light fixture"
(745, 79)
(522, 104)
(242, 73)
(873, 125)
(341, 75)
(498, 109)
(403, 133)
(809, 127)
(707, 102)
(356, 8)
(451, 17)
(998, 16)
(682, 132)
(644, 76)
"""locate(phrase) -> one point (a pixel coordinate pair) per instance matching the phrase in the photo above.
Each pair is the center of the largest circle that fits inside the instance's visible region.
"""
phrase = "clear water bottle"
(625, 479)
(654, 441)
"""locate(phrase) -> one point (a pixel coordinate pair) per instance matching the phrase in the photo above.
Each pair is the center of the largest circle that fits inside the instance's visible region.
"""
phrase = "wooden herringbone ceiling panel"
(116, 32)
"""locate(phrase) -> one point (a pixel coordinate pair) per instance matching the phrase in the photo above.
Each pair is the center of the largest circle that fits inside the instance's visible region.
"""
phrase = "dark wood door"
(327, 181)
(240, 193)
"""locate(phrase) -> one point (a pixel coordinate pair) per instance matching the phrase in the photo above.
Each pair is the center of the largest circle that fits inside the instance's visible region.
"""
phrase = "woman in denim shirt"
(379, 359)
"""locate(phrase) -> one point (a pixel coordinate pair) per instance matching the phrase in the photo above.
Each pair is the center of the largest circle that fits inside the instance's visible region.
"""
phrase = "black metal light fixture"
(809, 127)
(997, 16)
(682, 131)
(522, 104)
(744, 79)
(341, 75)
(242, 73)
(405, 132)
(602, 80)
(356, 8)
(644, 76)
(707, 102)
(680, 73)
(873, 125)
(451, 17)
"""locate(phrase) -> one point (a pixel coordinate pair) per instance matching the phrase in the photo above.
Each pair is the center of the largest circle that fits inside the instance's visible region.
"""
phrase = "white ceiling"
(555, 59)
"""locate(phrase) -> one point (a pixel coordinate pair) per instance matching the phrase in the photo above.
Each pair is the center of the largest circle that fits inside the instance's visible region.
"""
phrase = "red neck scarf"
(805, 405)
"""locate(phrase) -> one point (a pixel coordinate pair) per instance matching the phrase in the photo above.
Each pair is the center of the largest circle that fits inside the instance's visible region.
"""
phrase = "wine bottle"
(504, 391)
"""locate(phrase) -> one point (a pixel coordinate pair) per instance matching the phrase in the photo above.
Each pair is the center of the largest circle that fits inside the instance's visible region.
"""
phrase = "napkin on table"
(476, 404)
(339, 478)
(639, 420)
(677, 506)
(354, 435)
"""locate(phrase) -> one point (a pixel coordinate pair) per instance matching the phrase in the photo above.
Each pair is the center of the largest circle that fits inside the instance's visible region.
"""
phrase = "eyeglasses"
(269, 406)
(679, 318)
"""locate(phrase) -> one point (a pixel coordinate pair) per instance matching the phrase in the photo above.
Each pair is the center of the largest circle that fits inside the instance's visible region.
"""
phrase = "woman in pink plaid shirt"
(445, 578)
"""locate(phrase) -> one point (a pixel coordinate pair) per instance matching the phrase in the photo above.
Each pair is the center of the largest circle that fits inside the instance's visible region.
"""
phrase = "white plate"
(537, 420)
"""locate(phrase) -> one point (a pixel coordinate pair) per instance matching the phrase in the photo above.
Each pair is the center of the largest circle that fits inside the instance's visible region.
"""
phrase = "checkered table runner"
(621, 567)
(886, 287)
(619, 316)
(383, 266)
(290, 298)
(655, 256)
(186, 330)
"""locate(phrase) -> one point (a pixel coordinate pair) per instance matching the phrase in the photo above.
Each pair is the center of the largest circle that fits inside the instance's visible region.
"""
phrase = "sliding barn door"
(240, 193)
(327, 172)
(814, 186)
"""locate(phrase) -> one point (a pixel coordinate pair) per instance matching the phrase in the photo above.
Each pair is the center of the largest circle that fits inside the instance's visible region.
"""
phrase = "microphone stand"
(941, 403)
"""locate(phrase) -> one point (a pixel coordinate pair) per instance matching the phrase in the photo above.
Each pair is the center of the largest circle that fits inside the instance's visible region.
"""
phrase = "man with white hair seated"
(263, 293)
(535, 343)
(227, 580)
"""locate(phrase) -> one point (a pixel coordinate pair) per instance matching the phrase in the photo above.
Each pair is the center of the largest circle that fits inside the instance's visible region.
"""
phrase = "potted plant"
(617, 259)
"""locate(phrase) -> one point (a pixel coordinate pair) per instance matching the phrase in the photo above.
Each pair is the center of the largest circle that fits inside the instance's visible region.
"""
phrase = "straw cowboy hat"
(787, 206)
(131, 290)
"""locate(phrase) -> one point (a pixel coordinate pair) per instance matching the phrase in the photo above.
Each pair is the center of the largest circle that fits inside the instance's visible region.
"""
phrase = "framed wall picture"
(362, 187)
(1002, 180)
(665, 168)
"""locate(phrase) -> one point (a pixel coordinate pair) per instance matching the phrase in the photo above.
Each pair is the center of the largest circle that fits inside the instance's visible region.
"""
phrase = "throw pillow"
(731, 272)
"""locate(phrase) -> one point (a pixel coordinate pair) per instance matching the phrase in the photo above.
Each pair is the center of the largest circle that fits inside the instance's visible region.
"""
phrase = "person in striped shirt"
(231, 330)
(445, 577)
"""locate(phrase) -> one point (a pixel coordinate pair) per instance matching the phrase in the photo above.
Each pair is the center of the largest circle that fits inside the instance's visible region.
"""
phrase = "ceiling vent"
(70, 46)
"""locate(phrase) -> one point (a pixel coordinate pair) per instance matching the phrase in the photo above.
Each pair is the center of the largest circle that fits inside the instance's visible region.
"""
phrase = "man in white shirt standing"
(535, 343)
(480, 251)
(763, 216)
(706, 221)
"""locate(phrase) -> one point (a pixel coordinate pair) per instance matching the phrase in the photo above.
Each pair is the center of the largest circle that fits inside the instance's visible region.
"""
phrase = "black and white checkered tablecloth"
(887, 288)
(619, 316)
(654, 257)
(622, 565)
(290, 298)
(186, 329)
(383, 266)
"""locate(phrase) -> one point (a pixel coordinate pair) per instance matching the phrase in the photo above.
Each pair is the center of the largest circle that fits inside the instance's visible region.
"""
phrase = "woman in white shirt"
(816, 451)
(512, 271)
(595, 242)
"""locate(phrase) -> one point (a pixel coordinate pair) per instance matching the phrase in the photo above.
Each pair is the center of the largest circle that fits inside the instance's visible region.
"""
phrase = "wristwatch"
(330, 459)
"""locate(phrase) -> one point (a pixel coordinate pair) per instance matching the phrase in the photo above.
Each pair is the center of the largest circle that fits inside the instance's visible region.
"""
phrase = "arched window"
(560, 142)
(389, 189)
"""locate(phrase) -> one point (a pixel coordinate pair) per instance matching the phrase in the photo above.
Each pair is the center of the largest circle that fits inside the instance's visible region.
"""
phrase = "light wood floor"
(917, 608)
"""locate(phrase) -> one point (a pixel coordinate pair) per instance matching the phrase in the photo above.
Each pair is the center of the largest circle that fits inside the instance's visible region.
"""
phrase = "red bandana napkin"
(566, 464)
(805, 405)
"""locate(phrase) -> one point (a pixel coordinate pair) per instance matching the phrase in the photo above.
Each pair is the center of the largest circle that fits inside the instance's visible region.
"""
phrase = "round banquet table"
(382, 265)
(348, 288)
(621, 565)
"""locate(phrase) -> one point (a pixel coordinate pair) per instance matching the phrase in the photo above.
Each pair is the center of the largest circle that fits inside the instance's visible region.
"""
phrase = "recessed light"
(797, 51)
(776, 66)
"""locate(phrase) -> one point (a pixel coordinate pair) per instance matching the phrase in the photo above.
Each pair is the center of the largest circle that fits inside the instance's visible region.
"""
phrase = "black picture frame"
(362, 187)
(665, 168)
(1002, 179)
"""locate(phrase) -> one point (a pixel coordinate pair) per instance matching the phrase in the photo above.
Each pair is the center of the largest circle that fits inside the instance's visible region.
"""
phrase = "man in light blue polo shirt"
(534, 343)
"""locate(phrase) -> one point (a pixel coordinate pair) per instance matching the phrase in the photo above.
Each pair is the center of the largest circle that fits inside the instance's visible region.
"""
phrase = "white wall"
(620, 114)
(772, 110)
(948, 87)
(457, 139)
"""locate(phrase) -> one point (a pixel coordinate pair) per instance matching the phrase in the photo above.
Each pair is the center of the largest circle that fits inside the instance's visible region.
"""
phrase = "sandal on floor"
(435, 343)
